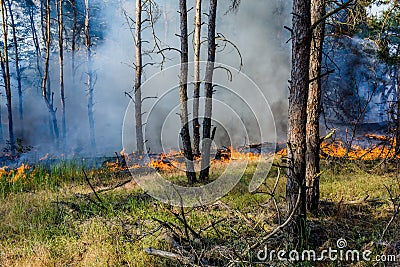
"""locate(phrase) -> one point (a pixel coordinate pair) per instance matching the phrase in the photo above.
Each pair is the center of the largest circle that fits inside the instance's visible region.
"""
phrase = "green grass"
(50, 217)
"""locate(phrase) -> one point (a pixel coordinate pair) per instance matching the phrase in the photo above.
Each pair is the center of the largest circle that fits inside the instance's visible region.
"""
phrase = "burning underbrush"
(369, 147)
(174, 161)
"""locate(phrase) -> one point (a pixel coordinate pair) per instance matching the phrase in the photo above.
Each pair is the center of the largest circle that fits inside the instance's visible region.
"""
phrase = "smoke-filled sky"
(256, 29)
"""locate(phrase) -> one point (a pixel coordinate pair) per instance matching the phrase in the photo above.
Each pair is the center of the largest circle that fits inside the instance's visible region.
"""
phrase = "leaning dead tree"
(59, 5)
(208, 88)
(296, 140)
(314, 106)
(184, 116)
(90, 77)
(47, 94)
(6, 75)
(197, 82)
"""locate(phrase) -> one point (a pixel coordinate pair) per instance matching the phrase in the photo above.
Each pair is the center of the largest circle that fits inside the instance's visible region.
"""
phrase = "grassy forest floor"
(49, 216)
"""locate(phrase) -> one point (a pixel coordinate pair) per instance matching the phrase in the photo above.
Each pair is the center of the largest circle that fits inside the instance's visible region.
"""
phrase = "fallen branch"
(169, 255)
(114, 187)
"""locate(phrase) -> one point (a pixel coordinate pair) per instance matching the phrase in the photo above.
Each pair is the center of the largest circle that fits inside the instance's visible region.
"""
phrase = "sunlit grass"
(52, 218)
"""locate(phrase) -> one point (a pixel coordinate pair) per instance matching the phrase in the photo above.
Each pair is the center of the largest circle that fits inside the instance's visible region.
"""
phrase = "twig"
(91, 186)
(280, 227)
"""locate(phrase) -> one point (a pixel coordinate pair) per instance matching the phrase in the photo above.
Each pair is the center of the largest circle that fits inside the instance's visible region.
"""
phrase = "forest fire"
(14, 174)
(174, 160)
(162, 164)
(338, 149)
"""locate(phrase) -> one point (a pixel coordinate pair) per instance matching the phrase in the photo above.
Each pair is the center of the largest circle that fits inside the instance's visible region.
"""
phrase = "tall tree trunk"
(197, 82)
(7, 81)
(138, 78)
(73, 41)
(47, 94)
(314, 107)
(297, 121)
(90, 78)
(17, 69)
(4, 76)
(397, 146)
(208, 87)
(185, 134)
(1, 128)
(59, 4)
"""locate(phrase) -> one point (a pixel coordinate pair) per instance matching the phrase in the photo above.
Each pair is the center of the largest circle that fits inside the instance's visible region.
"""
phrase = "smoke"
(256, 29)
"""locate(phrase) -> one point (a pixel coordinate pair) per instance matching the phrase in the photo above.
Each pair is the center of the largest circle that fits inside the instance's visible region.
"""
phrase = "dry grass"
(60, 226)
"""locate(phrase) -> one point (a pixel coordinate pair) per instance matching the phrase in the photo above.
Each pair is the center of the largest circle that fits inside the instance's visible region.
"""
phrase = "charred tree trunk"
(185, 134)
(7, 81)
(90, 81)
(61, 64)
(314, 106)
(297, 122)
(208, 87)
(138, 78)
(47, 95)
(197, 82)
(17, 68)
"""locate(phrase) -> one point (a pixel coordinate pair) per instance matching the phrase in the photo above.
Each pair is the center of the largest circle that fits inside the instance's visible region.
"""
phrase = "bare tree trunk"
(208, 87)
(297, 121)
(59, 4)
(17, 68)
(185, 135)
(73, 41)
(7, 83)
(314, 107)
(1, 128)
(47, 95)
(138, 78)
(197, 82)
(397, 147)
(42, 20)
(90, 78)
(3, 73)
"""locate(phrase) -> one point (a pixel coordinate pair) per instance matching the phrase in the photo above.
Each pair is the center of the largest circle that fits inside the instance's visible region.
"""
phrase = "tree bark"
(90, 78)
(59, 4)
(7, 81)
(314, 107)
(297, 121)
(197, 82)
(138, 78)
(47, 95)
(208, 87)
(185, 134)
(17, 68)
